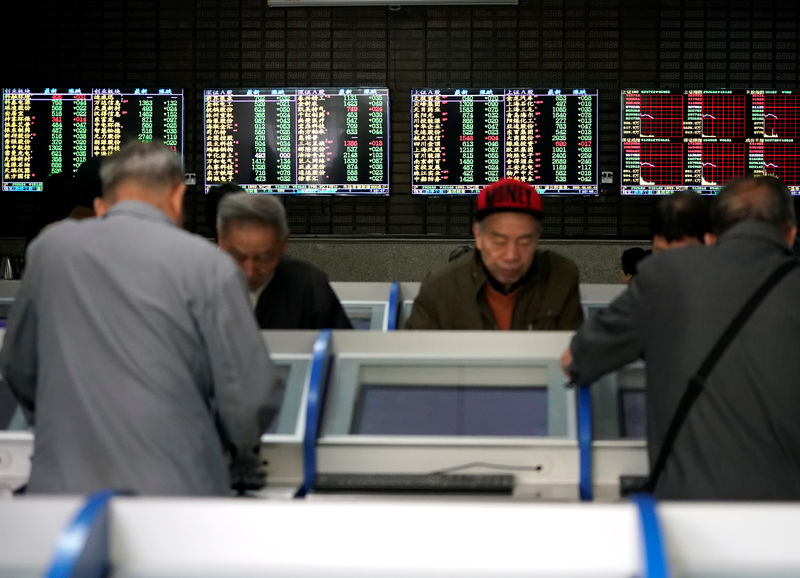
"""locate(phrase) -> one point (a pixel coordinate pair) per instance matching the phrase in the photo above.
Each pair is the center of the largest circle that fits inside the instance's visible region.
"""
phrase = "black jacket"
(299, 297)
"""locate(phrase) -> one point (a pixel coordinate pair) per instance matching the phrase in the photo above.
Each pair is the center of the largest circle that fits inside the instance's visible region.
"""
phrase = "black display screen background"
(699, 140)
(76, 113)
(450, 410)
(369, 150)
(609, 44)
(540, 143)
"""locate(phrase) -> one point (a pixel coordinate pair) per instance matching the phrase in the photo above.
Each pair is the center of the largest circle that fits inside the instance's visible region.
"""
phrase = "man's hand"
(248, 473)
(566, 361)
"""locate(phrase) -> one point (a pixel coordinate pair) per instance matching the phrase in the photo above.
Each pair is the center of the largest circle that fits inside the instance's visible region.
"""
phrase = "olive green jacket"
(453, 297)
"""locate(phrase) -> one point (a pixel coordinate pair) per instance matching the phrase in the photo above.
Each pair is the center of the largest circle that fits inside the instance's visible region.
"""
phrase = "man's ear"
(100, 206)
(175, 202)
(791, 233)
(710, 239)
(476, 233)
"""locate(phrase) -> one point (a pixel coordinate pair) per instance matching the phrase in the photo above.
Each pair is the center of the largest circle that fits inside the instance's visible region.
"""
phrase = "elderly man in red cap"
(505, 283)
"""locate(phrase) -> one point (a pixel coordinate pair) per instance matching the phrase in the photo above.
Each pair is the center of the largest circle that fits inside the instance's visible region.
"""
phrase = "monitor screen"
(284, 370)
(633, 413)
(360, 322)
(450, 410)
(8, 405)
(53, 130)
(701, 139)
(464, 139)
(366, 317)
(298, 141)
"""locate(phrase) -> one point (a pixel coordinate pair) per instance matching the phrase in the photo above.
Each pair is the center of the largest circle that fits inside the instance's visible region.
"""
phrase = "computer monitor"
(598, 296)
(294, 372)
(360, 318)
(11, 416)
(618, 403)
(701, 139)
(5, 310)
(632, 413)
(405, 312)
(287, 141)
(367, 316)
(395, 394)
(451, 410)
(8, 405)
(464, 139)
(52, 130)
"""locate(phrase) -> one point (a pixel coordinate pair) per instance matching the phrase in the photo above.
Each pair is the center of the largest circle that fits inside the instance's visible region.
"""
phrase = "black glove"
(248, 472)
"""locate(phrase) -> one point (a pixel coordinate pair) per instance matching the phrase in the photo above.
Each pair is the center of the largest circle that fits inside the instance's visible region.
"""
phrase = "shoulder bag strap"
(698, 380)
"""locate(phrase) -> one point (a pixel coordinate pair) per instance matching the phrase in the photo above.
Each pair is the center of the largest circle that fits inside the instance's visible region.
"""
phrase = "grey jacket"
(133, 348)
(741, 439)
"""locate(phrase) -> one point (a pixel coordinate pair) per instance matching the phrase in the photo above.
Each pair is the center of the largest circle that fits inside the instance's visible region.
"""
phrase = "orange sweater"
(502, 305)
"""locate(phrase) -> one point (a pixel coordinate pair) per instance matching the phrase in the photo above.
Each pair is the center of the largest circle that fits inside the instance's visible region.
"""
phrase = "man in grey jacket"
(741, 439)
(133, 349)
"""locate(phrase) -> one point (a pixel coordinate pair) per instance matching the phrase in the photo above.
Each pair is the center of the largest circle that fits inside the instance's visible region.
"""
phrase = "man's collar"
(256, 295)
(755, 230)
(139, 209)
(497, 286)
(480, 275)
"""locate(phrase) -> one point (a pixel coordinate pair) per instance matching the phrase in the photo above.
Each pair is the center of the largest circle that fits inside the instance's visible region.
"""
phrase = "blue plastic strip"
(82, 547)
(655, 557)
(394, 306)
(585, 443)
(316, 398)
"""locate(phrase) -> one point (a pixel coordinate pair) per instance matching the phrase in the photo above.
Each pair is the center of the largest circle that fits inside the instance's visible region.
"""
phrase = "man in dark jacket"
(506, 283)
(741, 438)
(285, 293)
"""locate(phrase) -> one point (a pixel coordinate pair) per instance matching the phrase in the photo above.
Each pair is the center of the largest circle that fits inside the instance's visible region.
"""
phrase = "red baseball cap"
(509, 195)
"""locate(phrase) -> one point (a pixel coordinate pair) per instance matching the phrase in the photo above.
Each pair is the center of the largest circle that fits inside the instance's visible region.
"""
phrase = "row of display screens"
(436, 410)
(336, 140)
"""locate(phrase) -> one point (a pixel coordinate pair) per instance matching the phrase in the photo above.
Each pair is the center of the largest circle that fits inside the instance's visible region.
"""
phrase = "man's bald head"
(764, 199)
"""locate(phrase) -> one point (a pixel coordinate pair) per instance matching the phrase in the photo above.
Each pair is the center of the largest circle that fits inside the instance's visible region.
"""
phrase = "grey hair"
(537, 221)
(252, 208)
(150, 164)
(764, 199)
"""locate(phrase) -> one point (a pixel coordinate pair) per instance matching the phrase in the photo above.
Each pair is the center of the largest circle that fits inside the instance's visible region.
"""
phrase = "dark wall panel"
(608, 44)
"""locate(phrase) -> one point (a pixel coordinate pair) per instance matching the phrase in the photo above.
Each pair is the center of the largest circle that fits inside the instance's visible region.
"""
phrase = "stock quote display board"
(298, 141)
(54, 131)
(700, 139)
(464, 139)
